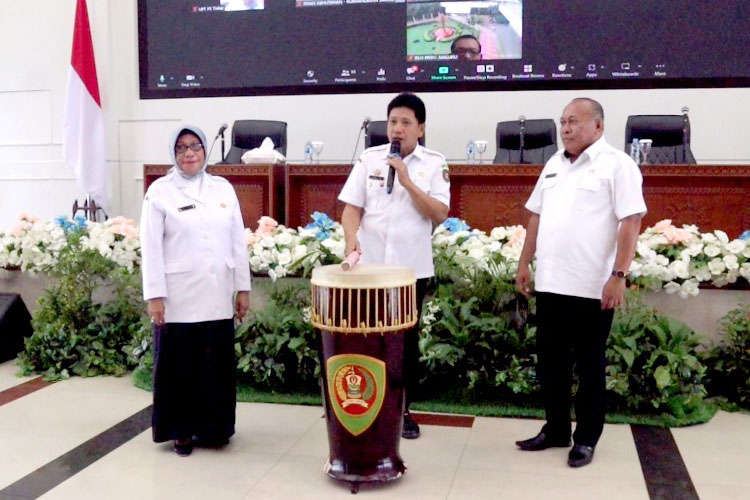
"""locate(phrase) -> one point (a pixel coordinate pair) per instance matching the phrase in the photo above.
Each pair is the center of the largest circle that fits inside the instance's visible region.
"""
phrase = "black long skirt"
(194, 381)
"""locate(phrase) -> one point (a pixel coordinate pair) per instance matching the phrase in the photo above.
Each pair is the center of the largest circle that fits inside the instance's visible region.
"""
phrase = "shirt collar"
(418, 152)
(592, 151)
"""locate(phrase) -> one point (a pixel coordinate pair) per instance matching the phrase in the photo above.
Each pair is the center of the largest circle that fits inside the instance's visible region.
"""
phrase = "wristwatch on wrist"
(619, 274)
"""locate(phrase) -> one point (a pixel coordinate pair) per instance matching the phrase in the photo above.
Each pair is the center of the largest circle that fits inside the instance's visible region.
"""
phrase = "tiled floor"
(279, 452)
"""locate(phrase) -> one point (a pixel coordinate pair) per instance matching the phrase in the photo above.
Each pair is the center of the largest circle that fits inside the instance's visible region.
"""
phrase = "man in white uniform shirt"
(396, 228)
(586, 212)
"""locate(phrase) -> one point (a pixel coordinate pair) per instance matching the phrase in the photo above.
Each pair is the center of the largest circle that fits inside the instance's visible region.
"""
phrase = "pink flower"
(122, 220)
(674, 235)
(663, 225)
(249, 237)
(127, 230)
(266, 225)
(23, 216)
(518, 236)
(19, 227)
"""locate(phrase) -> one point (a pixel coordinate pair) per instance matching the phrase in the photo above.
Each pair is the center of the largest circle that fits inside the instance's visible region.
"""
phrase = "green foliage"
(475, 335)
(653, 363)
(74, 334)
(277, 347)
(729, 361)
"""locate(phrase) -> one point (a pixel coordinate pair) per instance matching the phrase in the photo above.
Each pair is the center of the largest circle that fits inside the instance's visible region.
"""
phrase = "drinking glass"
(317, 148)
(481, 148)
(645, 147)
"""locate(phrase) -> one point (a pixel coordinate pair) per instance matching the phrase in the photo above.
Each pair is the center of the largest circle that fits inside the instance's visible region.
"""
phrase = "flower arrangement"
(279, 251)
(32, 245)
(679, 259)
(455, 245)
(670, 258)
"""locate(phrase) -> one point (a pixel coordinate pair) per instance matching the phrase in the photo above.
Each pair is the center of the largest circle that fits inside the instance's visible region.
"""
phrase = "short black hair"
(464, 37)
(411, 101)
(596, 109)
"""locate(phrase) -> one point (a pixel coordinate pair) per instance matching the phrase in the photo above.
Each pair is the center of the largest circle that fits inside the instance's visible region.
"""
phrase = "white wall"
(35, 39)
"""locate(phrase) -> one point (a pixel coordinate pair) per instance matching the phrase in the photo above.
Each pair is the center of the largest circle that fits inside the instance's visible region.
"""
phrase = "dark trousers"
(412, 367)
(572, 331)
(194, 381)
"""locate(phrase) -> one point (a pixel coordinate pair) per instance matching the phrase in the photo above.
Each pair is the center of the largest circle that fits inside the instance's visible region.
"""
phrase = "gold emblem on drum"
(356, 390)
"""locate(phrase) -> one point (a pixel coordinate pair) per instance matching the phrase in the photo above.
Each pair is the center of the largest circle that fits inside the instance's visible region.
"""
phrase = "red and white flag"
(83, 126)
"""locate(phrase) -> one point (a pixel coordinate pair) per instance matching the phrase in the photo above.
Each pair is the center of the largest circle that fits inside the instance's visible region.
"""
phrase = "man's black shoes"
(183, 447)
(580, 455)
(541, 442)
(410, 429)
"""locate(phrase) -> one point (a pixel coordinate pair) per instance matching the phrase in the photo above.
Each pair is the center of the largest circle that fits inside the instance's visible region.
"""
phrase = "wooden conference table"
(487, 195)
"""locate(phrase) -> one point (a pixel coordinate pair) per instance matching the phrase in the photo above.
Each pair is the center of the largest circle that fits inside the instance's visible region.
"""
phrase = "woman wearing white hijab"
(194, 259)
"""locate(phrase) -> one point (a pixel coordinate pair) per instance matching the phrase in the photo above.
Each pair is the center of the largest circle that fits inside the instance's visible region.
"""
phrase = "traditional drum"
(362, 315)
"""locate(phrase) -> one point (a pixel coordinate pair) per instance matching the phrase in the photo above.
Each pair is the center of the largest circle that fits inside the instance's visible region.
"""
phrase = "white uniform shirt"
(392, 230)
(580, 206)
(193, 247)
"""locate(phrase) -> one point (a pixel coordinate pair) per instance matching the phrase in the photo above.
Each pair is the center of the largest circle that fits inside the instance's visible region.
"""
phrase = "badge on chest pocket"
(549, 180)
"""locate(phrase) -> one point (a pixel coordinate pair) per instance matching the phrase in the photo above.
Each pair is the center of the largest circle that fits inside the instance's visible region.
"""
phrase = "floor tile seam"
(460, 460)
(280, 457)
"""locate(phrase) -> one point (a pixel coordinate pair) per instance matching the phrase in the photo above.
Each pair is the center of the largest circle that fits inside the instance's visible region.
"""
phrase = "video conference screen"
(198, 48)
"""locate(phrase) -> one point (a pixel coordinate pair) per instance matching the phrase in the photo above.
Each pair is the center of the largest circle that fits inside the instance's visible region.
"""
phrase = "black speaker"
(15, 324)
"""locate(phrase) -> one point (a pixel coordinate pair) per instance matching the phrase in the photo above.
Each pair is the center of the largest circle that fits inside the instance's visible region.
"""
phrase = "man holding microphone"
(393, 196)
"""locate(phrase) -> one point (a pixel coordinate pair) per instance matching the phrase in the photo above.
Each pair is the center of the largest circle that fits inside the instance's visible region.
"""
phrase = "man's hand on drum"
(351, 245)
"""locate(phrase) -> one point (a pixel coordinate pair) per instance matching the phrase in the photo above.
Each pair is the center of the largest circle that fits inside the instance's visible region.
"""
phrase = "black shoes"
(580, 455)
(541, 442)
(410, 429)
(210, 442)
(183, 447)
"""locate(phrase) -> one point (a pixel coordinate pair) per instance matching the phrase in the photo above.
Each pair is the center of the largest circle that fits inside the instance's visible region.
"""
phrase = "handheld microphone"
(521, 133)
(395, 151)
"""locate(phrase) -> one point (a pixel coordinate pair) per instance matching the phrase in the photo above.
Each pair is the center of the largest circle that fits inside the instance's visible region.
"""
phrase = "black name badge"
(186, 207)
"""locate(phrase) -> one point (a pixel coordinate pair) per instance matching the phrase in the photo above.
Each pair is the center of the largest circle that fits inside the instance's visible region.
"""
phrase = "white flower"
(494, 246)
(279, 271)
(499, 233)
(735, 246)
(702, 274)
(283, 238)
(716, 266)
(689, 287)
(722, 236)
(731, 262)
(661, 260)
(672, 287)
(694, 249)
(745, 270)
(709, 238)
(679, 268)
(284, 257)
(298, 252)
(711, 250)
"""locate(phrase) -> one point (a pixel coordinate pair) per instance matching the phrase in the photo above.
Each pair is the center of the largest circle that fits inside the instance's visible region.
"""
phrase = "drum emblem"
(356, 385)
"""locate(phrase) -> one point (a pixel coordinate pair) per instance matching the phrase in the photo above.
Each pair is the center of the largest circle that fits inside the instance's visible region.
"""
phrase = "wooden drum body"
(362, 316)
